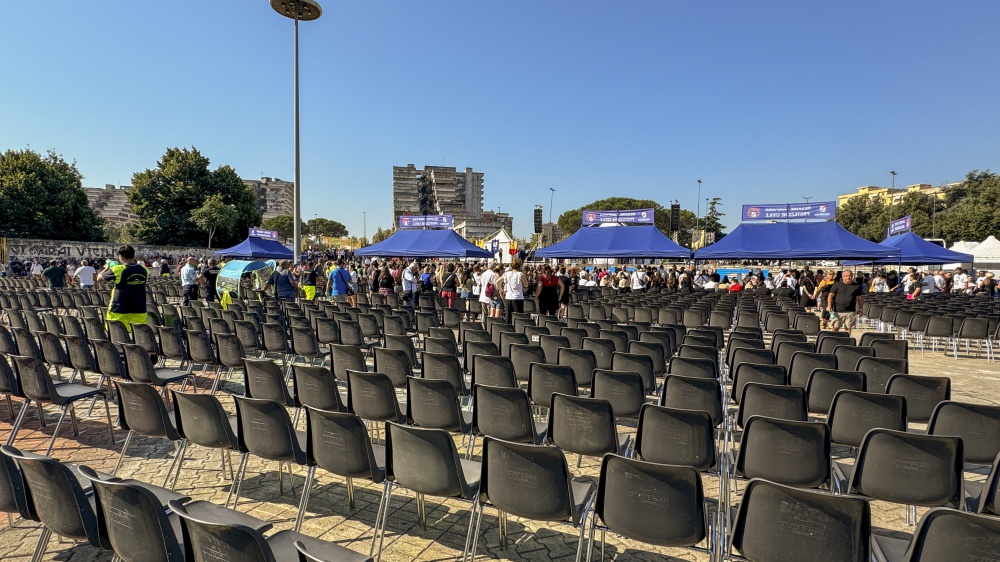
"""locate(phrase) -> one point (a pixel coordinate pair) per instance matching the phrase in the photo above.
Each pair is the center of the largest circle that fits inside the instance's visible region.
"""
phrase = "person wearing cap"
(989, 286)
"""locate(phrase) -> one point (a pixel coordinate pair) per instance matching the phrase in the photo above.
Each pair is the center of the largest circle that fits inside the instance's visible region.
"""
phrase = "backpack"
(490, 291)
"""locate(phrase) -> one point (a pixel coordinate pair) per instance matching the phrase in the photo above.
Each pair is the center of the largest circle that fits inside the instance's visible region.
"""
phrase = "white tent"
(503, 241)
(963, 246)
(988, 251)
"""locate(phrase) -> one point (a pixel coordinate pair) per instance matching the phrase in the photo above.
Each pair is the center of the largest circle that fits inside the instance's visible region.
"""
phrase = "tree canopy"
(214, 215)
(381, 234)
(165, 197)
(284, 225)
(969, 210)
(43, 197)
(325, 227)
(571, 221)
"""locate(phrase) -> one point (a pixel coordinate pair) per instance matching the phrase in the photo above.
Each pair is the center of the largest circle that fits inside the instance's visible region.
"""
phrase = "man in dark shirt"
(56, 274)
(128, 291)
(284, 284)
(309, 276)
(843, 301)
(211, 275)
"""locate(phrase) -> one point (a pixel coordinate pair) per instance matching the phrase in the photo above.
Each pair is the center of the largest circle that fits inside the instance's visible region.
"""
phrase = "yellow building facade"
(897, 194)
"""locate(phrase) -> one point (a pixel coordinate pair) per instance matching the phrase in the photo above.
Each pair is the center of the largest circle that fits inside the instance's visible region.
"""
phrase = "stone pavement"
(329, 517)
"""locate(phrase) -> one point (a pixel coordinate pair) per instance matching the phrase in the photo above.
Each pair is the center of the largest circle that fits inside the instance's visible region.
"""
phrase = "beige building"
(437, 190)
(111, 203)
(274, 196)
(488, 224)
(897, 194)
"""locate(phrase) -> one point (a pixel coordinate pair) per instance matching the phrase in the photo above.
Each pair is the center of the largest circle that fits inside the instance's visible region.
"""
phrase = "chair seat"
(208, 511)
(282, 545)
(582, 489)
(473, 472)
(70, 392)
(171, 375)
(888, 549)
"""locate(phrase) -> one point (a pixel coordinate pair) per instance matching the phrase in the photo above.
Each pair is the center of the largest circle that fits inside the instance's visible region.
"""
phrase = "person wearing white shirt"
(960, 281)
(85, 275)
(411, 279)
(514, 283)
(36, 269)
(928, 285)
(489, 298)
(638, 278)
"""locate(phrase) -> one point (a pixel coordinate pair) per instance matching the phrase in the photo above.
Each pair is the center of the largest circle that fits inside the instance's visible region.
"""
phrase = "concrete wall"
(27, 249)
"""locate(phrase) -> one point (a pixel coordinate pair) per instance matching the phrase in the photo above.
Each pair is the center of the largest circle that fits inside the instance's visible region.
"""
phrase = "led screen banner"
(265, 234)
(900, 225)
(425, 221)
(784, 211)
(632, 216)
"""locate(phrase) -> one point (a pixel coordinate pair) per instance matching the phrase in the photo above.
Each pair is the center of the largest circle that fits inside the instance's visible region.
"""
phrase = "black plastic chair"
(652, 503)
(624, 390)
(433, 403)
(693, 367)
(210, 540)
(508, 466)
(910, 469)
(315, 387)
(771, 400)
(444, 366)
(550, 345)
(602, 349)
(13, 493)
(142, 411)
(545, 380)
(824, 384)
(922, 394)
(753, 372)
(372, 397)
(878, 370)
(339, 444)
(493, 370)
(522, 355)
(264, 380)
(37, 386)
(677, 437)
(693, 393)
(504, 413)
(853, 414)
(201, 419)
(849, 355)
(582, 362)
(944, 534)
(426, 462)
(640, 363)
(470, 349)
(344, 358)
(784, 351)
(585, 426)
(793, 453)
(140, 368)
(977, 424)
(776, 522)
(803, 364)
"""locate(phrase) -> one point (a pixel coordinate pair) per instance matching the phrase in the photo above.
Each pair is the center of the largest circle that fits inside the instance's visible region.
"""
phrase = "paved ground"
(330, 518)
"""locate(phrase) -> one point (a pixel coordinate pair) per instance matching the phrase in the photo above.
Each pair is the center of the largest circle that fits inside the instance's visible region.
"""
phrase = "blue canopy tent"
(616, 242)
(915, 250)
(787, 240)
(257, 248)
(425, 244)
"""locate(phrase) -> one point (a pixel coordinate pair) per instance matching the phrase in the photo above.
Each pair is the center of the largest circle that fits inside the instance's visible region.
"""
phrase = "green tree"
(214, 216)
(973, 208)
(381, 234)
(325, 227)
(712, 221)
(121, 233)
(571, 221)
(282, 224)
(43, 197)
(866, 217)
(164, 198)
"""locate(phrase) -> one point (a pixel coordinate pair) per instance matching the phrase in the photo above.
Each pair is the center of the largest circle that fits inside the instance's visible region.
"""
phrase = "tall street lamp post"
(298, 10)
(892, 191)
(807, 202)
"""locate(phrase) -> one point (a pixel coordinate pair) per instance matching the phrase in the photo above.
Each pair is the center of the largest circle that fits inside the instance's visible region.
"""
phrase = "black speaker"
(675, 217)
(538, 220)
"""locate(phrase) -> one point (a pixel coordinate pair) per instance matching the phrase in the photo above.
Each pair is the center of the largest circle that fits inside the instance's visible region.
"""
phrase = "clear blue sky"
(765, 102)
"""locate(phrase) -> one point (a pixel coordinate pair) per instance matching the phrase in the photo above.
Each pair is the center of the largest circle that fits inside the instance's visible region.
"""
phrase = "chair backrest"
(824, 384)
(264, 380)
(441, 346)
(200, 347)
(444, 366)
(656, 352)
(803, 363)
(602, 348)
(636, 363)
(171, 343)
(316, 387)
(794, 453)
(582, 361)
(574, 336)
(339, 443)
(581, 425)
(80, 355)
(868, 338)
(977, 424)
(693, 393)
(395, 363)
(922, 393)
(947, 534)
(878, 370)
(344, 358)
(205, 541)
(754, 372)
(201, 419)
(676, 436)
(693, 367)
(784, 351)
(651, 502)
(472, 348)
(34, 378)
(550, 346)
(57, 497)
(265, 430)
(52, 349)
(849, 355)
(891, 349)
(773, 401)
(664, 337)
(625, 390)
(433, 403)
(908, 468)
(508, 467)
(13, 495)
(503, 413)
(827, 344)
(776, 522)
(544, 380)
(142, 410)
(751, 355)
(493, 370)
(133, 520)
(853, 414)
(522, 355)
(372, 397)
(425, 461)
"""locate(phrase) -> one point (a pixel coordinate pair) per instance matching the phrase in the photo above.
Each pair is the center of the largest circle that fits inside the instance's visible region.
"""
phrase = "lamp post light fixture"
(298, 10)
(552, 196)
(892, 192)
(807, 202)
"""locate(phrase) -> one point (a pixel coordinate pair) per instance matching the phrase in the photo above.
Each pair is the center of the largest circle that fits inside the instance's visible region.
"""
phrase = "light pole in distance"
(807, 202)
(298, 10)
